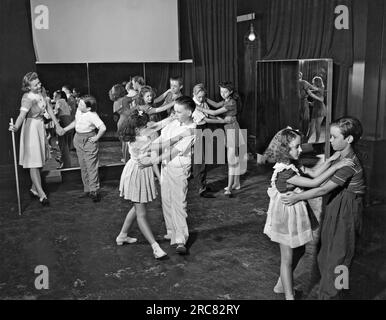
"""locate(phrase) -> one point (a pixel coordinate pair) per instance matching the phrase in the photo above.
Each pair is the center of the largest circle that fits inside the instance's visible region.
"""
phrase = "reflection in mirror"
(313, 99)
(295, 93)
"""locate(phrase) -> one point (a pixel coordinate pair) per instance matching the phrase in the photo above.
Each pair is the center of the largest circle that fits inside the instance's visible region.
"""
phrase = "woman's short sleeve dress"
(34, 149)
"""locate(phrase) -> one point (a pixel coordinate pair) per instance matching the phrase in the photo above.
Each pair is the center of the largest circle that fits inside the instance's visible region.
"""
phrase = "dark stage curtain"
(277, 101)
(213, 36)
(17, 57)
(305, 29)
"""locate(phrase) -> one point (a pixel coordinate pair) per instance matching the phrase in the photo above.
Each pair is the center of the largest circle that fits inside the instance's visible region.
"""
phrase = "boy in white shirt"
(176, 162)
(86, 144)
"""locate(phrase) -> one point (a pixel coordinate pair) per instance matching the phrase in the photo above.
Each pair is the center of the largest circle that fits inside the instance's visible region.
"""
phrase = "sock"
(123, 234)
(155, 245)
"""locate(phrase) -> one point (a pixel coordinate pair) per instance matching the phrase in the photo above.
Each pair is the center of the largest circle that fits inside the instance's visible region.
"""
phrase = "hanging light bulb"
(252, 35)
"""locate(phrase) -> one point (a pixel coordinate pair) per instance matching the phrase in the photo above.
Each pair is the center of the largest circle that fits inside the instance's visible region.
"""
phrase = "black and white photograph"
(193, 155)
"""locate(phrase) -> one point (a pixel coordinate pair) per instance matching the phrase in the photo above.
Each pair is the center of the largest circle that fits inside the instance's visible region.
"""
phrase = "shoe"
(33, 194)
(120, 240)
(95, 196)
(168, 236)
(60, 166)
(236, 187)
(159, 253)
(84, 195)
(226, 189)
(206, 194)
(181, 249)
(227, 193)
(44, 201)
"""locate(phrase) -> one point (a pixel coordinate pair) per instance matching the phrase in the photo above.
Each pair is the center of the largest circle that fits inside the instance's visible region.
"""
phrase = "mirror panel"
(295, 93)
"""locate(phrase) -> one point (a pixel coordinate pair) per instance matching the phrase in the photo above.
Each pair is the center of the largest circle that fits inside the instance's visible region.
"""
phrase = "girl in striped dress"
(138, 184)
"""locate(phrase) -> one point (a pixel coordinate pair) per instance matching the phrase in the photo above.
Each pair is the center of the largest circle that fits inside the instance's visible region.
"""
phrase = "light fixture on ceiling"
(252, 35)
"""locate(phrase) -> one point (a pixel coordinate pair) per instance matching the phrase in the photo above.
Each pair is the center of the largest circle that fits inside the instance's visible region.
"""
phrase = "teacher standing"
(34, 149)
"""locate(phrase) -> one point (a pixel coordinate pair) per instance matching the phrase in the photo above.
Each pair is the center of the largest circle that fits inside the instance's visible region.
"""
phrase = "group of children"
(172, 149)
(289, 218)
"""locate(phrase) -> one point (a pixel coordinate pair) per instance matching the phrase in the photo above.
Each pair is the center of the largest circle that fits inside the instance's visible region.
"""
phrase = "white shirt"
(87, 121)
(184, 146)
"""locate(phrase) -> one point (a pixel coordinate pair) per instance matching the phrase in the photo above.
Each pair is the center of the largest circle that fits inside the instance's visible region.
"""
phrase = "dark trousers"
(199, 172)
(65, 142)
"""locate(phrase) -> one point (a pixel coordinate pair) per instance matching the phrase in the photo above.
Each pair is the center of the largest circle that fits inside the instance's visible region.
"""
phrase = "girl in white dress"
(290, 226)
(138, 184)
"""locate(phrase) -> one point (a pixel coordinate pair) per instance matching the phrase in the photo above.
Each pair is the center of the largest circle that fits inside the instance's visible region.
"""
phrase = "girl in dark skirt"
(343, 217)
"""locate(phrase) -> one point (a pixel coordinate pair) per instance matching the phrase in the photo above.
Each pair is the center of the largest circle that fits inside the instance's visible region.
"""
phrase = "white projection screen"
(89, 31)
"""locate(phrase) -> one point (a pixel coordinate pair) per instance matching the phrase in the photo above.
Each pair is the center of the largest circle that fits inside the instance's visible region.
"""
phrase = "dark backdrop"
(207, 34)
(17, 57)
(277, 100)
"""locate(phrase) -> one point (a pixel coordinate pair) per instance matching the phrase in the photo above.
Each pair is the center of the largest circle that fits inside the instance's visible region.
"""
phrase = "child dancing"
(234, 139)
(138, 184)
(342, 221)
(290, 225)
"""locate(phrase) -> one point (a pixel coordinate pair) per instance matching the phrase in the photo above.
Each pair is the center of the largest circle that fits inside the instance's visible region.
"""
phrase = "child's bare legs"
(318, 128)
(286, 254)
(122, 237)
(140, 210)
(143, 225)
(297, 254)
(37, 182)
(232, 164)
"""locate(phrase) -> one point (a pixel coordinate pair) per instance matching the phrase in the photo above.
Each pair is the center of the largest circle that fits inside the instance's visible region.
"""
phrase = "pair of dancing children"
(173, 150)
(289, 219)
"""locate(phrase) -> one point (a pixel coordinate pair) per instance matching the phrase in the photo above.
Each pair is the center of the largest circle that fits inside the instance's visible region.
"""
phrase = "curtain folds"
(213, 37)
(305, 29)
(212, 33)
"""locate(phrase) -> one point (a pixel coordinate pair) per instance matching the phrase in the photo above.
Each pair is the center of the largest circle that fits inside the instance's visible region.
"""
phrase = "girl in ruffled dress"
(290, 226)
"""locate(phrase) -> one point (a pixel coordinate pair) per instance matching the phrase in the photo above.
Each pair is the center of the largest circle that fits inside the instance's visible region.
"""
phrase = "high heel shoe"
(44, 201)
(120, 240)
(33, 194)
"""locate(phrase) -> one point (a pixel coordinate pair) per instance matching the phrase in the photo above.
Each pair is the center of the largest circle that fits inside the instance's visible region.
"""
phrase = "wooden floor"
(229, 256)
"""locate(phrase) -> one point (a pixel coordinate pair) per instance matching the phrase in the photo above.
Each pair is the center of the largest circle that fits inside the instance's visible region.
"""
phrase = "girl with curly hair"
(290, 226)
